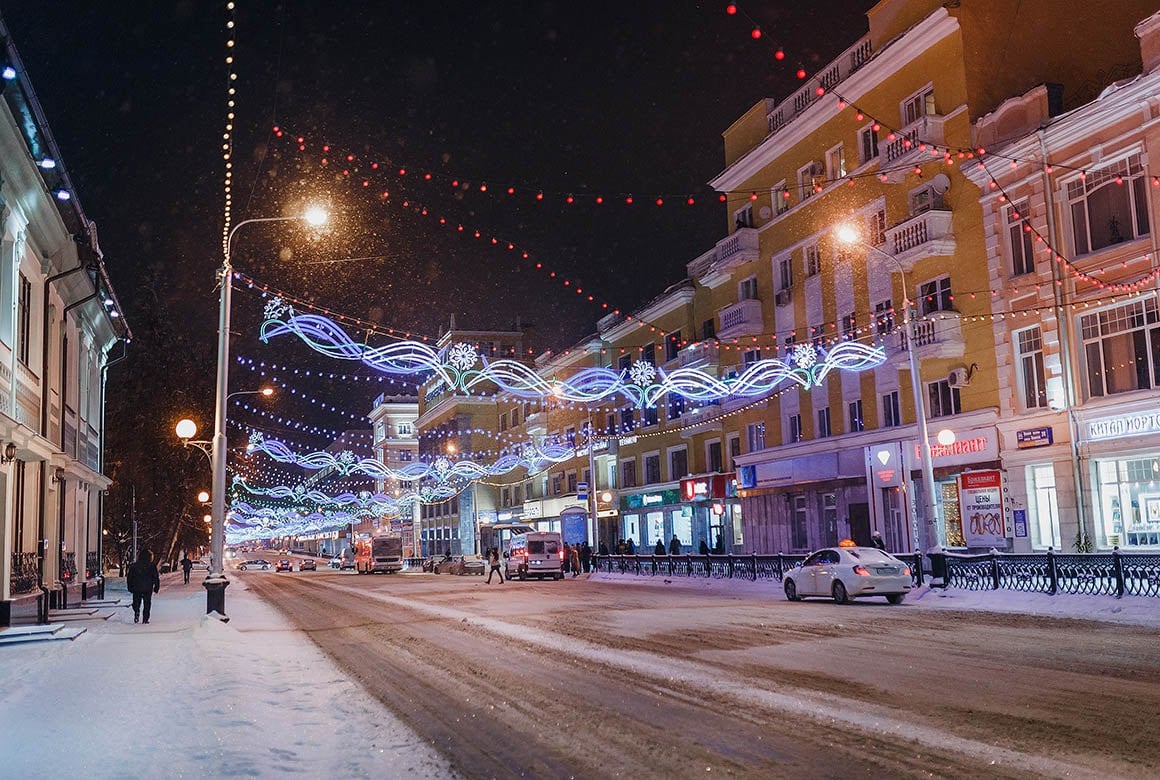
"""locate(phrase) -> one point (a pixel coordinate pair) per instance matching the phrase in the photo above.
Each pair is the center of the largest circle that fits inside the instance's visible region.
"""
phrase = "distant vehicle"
(846, 572)
(378, 554)
(458, 564)
(201, 564)
(335, 562)
(535, 554)
(254, 564)
(347, 558)
(307, 564)
(284, 565)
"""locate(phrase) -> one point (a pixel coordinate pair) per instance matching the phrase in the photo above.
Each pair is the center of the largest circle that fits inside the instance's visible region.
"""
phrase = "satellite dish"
(766, 212)
(940, 183)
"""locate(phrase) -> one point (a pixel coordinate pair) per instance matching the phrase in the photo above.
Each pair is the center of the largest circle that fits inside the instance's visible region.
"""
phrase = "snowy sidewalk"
(190, 696)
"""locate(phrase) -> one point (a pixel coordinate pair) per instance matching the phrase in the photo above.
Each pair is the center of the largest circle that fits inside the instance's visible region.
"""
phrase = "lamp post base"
(215, 595)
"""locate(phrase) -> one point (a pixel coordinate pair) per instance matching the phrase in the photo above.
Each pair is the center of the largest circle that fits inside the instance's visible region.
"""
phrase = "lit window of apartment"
(755, 436)
(867, 144)
(678, 463)
(652, 468)
(1020, 244)
(794, 428)
(747, 289)
(918, 105)
(942, 399)
(936, 295)
(835, 163)
(855, 414)
(813, 260)
(891, 411)
(824, 429)
(1109, 205)
(1032, 380)
(1122, 348)
(780, 201)
(884, 317)
(743, 217)
(785, 273)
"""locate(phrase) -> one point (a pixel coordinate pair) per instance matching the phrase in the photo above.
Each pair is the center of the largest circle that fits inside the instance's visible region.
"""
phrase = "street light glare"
(847, 234)
(316, 216)
(203, 496)
(186, 429)
(267, 391)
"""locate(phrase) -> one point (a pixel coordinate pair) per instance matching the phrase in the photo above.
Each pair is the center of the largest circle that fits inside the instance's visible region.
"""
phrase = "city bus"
(378, 554)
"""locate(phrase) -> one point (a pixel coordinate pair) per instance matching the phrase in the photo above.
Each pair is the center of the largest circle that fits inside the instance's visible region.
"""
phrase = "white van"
(535, 554)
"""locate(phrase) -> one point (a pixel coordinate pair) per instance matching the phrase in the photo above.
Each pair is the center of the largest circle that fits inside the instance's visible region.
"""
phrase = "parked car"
(459, 564)
(307, 564)
(201, 564)
(254, 564)
(284, 565)
(335, 562)
(846, 572)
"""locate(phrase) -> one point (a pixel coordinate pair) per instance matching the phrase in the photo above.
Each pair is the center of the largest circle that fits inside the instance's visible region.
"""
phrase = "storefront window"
(656, 527)
(738, 538)
(632, 529)
(800, 534)
(830, 519)
(1044, 509)
(951, 517)
(1129, 500)
(683, 525)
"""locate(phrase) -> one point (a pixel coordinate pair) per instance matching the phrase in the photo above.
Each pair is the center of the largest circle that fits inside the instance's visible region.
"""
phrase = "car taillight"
(561, 555)
(905, 571)
(861, 571)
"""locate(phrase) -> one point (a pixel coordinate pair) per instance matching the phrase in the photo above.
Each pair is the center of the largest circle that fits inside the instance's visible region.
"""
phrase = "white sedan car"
(843, 573)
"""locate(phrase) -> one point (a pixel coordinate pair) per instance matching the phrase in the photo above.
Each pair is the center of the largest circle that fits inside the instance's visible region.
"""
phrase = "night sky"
(584, 99)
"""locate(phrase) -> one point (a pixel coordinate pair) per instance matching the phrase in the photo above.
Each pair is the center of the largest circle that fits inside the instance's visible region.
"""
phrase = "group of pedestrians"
(577, 558)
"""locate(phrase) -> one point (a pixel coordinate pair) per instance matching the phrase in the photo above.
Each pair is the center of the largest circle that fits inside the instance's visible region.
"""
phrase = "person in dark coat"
(876, 541)
(674, 546)
(142, 581)
(186, 567)
(585, 557)
(630, 547)
(603, 548)
(660, 548)
(704, 548)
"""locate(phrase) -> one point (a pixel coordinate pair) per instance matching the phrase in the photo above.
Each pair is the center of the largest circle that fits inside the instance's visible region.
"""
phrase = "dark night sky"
(582, 98)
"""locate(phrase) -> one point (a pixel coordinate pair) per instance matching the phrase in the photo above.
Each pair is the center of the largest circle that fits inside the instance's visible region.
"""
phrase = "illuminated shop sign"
(1123, 425)
(705, 488)
(642, 500)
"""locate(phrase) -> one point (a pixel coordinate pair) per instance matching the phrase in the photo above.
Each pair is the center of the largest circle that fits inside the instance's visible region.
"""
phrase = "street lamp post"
(849, 235)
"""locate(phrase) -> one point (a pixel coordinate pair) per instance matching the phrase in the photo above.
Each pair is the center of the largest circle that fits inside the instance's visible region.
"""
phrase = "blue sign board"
(1034, 437)
(1020, 518)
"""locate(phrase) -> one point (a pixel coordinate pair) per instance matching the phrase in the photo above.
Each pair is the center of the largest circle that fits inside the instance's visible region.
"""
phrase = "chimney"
(1148, 31)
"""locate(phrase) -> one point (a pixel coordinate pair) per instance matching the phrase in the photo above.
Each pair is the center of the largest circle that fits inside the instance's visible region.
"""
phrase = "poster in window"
(981, 508)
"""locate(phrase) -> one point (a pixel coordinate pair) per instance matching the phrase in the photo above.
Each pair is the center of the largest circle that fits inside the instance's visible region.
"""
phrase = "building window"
(884, 317)
(648, 416)
(678, 463)
(1044, 509)
(506, 497)
(570, 436)
(734, 451)
(813, 260)
(648, 353)
(918, 105)
(406, 456)
(1128, 511)
(24, 320)
(708, 330)
(673, 346)
(1109, 205)
(780, 196)
(628, 473)
(676, 405)
(750, 356)
(867, 144)
(1031, 375)
(755, 436)
(784, 273)
(830, 519)
(652, 469)
(747, 289)
(627, 420)
(515, 416)
(571, 481)
(799, 535)
(878, 228)
(743, 217)
(891, 411)
(925, 199)
(557, 484)
(1022, 256)
(936, 295)
(836, 163)
(503, 418)
(713, 456)
(405, 429)
(794, 428)
(943, 400)
(855, 415)
(809, 178)
(1122, 348)
(849, 327)
(824, 430)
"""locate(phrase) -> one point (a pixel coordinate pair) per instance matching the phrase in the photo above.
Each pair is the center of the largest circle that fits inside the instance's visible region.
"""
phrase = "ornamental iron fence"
(729, 567)
(92, 565)
(25, 572)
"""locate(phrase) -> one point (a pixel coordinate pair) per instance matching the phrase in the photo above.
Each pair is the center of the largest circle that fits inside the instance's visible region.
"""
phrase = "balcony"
(912, 143)
(700, 355)
(937, 335)
(829, 77)
(741, 319)
(924, 235)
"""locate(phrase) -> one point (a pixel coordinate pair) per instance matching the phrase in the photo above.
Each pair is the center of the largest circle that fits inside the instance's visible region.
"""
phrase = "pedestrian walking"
(876, 541)
(575, 560)
(142, 581)
(674, 546)
(186, 567)
(660, 548)
(493, 565)
(585, 557)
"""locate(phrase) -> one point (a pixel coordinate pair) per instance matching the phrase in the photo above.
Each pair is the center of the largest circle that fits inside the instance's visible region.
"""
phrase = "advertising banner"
(981, 508)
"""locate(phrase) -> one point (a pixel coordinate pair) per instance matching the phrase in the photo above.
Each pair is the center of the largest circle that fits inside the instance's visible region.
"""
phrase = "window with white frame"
(676, 406)
(503, 421)
(750, 356)
(1109, 205)
(785, 273)
(1020, 244)
(755, 436)
(942, 399)
(836, 163)
(714, 457)
(918, 105)
(780, 196)
(891, 411)
(936, 295)
(1122, 348)
(734, 450)
(793, 428)
(628, 473)
(877, 227)
(854, 408)
(809, 177)
(571, 481)
(884, 317)
(678, 463)
(652, 468)
(799, 533)
(824, 429)
(648, 416)
(1044, 507)
(747, 289)
(867, 143)
(1032, 380)
(743, 217)
(813, 260)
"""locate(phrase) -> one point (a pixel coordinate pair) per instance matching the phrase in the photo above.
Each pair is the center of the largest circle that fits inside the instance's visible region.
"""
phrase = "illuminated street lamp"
(849, 236)
(216, 582)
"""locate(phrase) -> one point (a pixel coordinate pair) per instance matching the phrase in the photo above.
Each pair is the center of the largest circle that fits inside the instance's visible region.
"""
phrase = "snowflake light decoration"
(642, 373)
(805, 356)
(442, 465)
(256, 439)
(346, 457)
(276, 307)
(462, 356)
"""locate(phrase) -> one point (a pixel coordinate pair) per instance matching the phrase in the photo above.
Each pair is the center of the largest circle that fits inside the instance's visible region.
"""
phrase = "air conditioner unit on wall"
(783, 297)
(959, 377)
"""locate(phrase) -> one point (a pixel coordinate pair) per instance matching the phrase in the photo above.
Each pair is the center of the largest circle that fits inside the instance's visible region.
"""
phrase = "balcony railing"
(68, 566)
(741, 319)
(741, 247)
(924, 235)
(700, 354)
(24, 572)
(937, 335)
(833, 74)
(909, 142)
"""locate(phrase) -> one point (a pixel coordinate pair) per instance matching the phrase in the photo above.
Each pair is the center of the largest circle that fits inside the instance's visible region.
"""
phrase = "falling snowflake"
(276, 307)
(462, 356)
(642, 373)
(805, 356)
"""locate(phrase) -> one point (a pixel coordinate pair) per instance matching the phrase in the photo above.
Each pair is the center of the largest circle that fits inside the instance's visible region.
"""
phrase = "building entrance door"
(860, 524)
